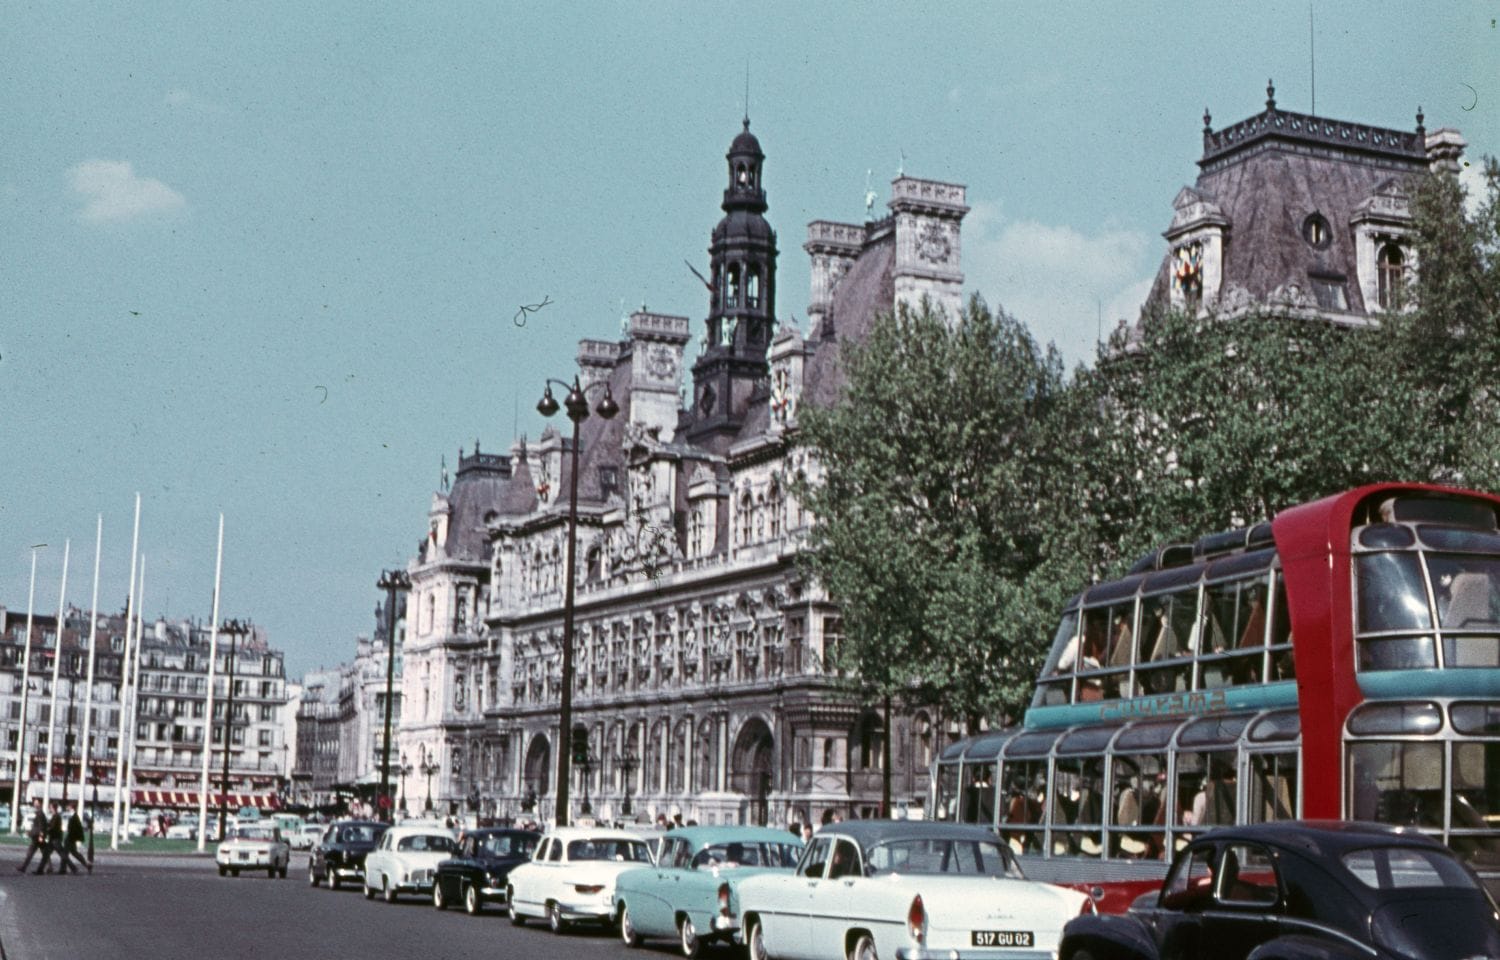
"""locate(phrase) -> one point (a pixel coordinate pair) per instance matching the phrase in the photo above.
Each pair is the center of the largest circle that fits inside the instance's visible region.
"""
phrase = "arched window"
(752, 288)
(732, 295)
(593, 563)
(776, 504)
(429, 611)
(747, 516)
(1391, 274)
(695, 533)
(742, 175)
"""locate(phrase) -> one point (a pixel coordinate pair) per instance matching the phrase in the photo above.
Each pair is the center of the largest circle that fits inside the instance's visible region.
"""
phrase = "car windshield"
(746, 855)
(1399, 868)
(507, 845)
(359, 834)
(426, 843)
(971, 857)
(632, 851)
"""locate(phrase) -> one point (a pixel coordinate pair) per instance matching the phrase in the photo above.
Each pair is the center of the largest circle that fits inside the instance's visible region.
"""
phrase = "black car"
(1306, 890)
(477, 875)
(340, 854)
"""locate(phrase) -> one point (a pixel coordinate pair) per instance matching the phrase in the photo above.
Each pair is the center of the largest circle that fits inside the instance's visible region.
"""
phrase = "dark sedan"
(1306, 889)
(340, 855)
(477, 875)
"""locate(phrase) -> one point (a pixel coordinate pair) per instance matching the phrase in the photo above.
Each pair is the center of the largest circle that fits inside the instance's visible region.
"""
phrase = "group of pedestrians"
(51, 834)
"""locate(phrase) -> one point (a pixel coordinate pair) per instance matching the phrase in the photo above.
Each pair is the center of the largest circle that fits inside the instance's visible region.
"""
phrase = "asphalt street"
(178, 908)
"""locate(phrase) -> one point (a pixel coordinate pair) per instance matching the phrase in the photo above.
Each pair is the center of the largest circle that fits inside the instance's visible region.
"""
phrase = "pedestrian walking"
(37, 832)
(54, 842)
(72, 837)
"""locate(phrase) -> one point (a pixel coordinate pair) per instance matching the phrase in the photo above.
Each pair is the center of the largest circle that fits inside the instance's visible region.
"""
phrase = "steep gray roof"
(865, 291)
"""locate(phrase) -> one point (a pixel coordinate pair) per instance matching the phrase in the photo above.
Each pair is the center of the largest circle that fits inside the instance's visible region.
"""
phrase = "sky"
(268, 260)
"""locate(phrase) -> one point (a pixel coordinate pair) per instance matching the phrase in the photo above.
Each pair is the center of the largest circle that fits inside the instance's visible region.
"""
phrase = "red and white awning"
(190, 798)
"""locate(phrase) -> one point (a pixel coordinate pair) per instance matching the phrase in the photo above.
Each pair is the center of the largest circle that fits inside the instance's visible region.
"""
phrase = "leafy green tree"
(936, 514)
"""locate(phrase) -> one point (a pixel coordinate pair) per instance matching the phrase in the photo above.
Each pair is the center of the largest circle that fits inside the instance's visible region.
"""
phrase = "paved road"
(178, 908)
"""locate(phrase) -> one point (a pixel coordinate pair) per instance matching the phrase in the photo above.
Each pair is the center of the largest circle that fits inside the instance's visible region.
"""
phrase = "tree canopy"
(969, 486)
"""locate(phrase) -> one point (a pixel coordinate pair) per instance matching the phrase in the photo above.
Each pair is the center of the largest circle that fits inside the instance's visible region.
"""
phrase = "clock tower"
(742, 301)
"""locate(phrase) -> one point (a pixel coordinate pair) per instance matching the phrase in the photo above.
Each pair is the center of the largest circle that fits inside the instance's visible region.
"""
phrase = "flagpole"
(57, 655)
(213, 663)
(135, 540)
(15, 797)
(88, 697)
(135, 695)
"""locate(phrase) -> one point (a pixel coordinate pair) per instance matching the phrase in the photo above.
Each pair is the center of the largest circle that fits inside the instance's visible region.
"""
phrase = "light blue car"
(690, 894)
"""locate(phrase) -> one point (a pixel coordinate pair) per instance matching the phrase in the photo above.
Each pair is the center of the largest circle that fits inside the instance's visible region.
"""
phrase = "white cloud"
(1066, 285)
(115, 193)
(1476, 187)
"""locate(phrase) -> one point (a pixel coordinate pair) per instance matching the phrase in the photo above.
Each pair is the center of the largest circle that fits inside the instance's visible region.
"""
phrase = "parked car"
(1302, 889)
(690, 894)
(478, 873)
(339, 856)
(253, 846)
(571, 877)
(903, 888)
(405, 860)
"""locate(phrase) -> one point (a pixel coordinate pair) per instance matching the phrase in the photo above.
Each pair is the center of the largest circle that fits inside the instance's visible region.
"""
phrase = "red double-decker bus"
(1341, 661)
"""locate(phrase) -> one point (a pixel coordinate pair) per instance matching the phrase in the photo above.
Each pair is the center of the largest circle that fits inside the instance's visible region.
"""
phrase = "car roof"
(698, 836)
(593, 833)
(421, 829)
(1325, 837)
(501, 832)
(869, 832)
(359, 823)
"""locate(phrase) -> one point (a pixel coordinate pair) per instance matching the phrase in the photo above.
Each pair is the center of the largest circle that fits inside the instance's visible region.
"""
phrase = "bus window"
(1282, 666)
(1078, 813)
(1235, 633)
(1056, 684)
(1390, 593)
(1467, 590)
(979, 794)
(1398, 782)
(1136, 812)
(1206, 788)
(1273, 787)
(1092, 685)
(1025, 794)
(947, 791)
(1476, 802)
(1168, 624)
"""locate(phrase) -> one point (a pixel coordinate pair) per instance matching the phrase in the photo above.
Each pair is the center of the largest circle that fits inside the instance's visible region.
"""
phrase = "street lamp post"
(577, 407)
(405, 771)
(628, 764)
(391, 581)
(72, 677)
(234, 628)
(428, 768)
(586, 764)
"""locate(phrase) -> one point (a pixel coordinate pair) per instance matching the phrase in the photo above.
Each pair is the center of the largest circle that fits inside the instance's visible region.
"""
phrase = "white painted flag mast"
(88, 697)
(135, 694)
(57, 655)
(213, 663)
(15, 797)
(135, 541)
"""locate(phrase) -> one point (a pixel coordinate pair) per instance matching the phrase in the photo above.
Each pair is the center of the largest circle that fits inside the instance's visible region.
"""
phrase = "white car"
(571, 876)
(405, 860)
(308, 837)
(253, 846)
(904, 889)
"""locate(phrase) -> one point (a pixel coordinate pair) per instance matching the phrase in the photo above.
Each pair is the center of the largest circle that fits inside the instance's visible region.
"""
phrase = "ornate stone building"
(699, 649)
(1300, 213)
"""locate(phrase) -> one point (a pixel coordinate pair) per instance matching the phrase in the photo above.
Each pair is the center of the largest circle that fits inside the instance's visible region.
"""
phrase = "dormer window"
(1329, 293)
(1317, 232)
(1390, 272)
